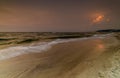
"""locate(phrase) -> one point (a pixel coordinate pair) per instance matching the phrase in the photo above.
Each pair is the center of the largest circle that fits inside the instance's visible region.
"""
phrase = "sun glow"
(98, 18)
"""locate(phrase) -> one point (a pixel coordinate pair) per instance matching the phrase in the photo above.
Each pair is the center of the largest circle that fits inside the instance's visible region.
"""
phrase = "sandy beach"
(59, 38)
(89, 58)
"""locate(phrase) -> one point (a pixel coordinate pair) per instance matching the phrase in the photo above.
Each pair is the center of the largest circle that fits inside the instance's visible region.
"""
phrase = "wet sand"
(76, 59)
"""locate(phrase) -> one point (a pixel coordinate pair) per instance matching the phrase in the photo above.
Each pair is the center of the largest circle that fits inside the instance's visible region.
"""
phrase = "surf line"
(15, 51)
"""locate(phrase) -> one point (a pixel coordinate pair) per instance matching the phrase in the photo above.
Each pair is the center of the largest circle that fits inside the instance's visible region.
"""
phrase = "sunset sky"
(58, 15)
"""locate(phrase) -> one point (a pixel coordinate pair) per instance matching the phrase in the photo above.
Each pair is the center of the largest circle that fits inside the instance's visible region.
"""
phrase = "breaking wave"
(37, 48)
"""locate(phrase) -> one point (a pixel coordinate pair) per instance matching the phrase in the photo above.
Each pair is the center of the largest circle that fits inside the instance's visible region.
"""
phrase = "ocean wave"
(40, 47)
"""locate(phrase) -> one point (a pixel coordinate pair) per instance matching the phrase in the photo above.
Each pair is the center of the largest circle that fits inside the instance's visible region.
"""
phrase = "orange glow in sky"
(99, 18)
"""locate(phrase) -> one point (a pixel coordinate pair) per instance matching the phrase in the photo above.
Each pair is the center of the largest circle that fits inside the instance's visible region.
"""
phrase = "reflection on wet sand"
(64, 60)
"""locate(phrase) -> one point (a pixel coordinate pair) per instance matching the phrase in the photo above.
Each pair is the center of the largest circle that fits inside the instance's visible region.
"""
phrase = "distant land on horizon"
(109, 30)
(101, 30)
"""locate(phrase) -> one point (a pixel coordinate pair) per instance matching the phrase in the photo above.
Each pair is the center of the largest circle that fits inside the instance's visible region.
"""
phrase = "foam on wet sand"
(86, 58)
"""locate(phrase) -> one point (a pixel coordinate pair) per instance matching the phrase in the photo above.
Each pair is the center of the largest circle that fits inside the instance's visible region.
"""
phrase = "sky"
(59, 15)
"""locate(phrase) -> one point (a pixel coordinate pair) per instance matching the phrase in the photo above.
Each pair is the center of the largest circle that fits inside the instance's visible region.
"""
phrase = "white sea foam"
(19, 50)
(41, 47)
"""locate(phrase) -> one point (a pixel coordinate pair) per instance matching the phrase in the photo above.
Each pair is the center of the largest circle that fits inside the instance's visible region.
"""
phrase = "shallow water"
(40, 46)
(58, 58)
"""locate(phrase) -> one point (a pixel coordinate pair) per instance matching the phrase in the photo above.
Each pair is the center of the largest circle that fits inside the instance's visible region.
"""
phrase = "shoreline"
(65, 60)
(14, 51)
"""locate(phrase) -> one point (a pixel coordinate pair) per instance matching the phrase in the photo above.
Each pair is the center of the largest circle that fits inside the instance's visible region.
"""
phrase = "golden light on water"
(101, 46)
